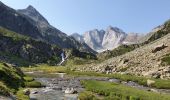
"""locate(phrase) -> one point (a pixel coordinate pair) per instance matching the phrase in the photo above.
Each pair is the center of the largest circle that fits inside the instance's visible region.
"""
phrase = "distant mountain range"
(102, 40)
(30, 22)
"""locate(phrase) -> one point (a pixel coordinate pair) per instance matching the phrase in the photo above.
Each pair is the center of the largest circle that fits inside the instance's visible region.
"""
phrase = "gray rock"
(34, 92)
(70, 91)
(115, 80)
(26, 92)
(150, 82)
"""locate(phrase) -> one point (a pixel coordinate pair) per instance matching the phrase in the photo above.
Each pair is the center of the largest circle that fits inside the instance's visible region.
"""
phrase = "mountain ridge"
(31, 23)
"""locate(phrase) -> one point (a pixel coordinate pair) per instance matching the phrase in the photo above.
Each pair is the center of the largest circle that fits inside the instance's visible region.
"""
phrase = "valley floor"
(91, 85)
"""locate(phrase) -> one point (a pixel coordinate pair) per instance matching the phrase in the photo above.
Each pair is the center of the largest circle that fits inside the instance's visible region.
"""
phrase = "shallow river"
(55, 84)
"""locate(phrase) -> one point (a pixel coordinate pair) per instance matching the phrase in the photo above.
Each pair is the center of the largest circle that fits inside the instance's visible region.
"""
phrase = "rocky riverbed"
(56, 86)
(59, 82)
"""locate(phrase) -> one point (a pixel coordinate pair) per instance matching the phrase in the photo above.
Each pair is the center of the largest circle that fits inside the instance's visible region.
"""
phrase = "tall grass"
(115, 91)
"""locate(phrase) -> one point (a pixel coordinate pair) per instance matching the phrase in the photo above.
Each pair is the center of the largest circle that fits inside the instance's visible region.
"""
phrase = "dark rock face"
(31, 23)
(27, 49)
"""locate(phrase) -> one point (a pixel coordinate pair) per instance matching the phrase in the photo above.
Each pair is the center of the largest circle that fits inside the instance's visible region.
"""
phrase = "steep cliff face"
(102, 40)
(113, 38)
(94, 39)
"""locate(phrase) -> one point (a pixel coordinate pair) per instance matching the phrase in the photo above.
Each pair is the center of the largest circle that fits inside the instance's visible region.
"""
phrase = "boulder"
(26, 92)
(124, 82)
(154, 74)
(154, 90)
(115, 80)
(70, 91)
(159, 48)
(34, 92)
(167, 70)
(150, 82)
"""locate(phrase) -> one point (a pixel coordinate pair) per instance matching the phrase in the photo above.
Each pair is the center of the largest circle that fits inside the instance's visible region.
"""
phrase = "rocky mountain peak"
(30, 7)
(78, 37)
(76, 34)
(31, 12)
(115, 29)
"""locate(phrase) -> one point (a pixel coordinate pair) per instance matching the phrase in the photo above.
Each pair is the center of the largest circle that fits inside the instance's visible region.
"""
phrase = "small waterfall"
(62, 56)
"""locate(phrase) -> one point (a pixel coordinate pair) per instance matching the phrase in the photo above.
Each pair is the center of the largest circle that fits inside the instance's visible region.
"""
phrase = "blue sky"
(82, 15)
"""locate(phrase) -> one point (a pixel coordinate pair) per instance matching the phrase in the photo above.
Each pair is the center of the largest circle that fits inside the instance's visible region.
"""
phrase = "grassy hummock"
(21, 96)
(33, 84)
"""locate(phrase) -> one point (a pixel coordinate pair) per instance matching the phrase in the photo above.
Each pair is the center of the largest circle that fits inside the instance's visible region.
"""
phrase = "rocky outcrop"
(159, 48)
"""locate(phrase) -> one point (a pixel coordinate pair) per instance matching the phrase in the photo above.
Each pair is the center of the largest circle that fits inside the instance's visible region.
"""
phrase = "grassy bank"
(113, 91)
(12, 80)
(159, 83)
(45, 68)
